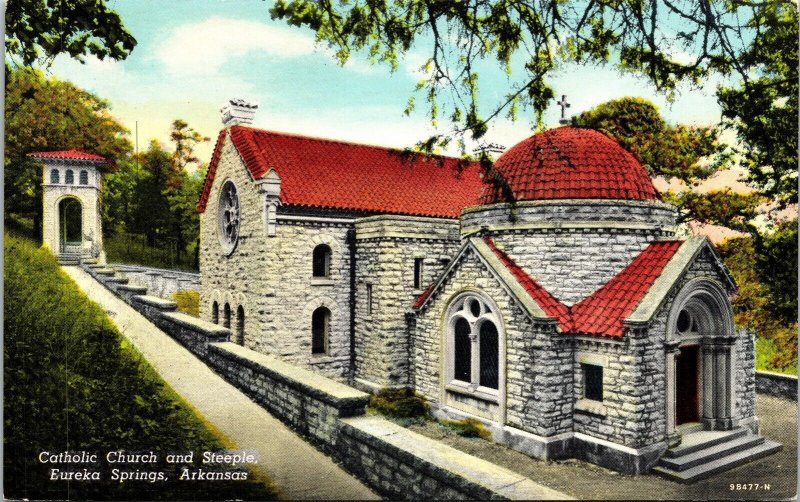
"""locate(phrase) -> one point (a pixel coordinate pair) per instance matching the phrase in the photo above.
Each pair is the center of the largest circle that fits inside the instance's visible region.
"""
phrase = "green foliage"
(72, 384)
(133, 249)
(468, 427)
(50, 114)
(754, 304)
(776, 264)
(763, 109)
(401, 403)
(188, 301)
(723, 207)
(153, 195)
(38, 29)
(679, 151)
(767, 352)
(527, 41)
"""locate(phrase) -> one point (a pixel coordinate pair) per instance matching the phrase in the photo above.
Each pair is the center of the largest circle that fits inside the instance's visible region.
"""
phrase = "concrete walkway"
(298, 470)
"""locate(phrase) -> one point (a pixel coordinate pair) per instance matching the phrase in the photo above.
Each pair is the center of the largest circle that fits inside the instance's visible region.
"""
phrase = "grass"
(188, 301)
(766, 351)
(73, 383)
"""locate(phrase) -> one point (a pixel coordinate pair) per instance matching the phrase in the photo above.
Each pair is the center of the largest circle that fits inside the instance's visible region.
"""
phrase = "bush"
(72, 383)
(401, 403)
(468, 427)
(188, 301)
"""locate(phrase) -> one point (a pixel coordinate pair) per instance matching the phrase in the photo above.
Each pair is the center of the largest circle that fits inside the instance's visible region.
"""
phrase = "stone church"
(546, 295)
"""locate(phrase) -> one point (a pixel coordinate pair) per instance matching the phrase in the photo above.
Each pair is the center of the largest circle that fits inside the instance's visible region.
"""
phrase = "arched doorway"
(700, 359)
(70, 225)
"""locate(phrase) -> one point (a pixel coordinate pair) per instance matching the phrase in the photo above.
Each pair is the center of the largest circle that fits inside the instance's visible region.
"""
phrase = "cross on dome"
(564, 105)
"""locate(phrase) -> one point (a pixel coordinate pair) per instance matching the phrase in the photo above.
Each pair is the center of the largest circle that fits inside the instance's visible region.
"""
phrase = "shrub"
(402, 403)
(468, 427)
(72, 383)
(188, 301)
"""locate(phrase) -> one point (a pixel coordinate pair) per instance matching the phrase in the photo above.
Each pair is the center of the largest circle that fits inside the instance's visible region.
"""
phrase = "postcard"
(400, 250)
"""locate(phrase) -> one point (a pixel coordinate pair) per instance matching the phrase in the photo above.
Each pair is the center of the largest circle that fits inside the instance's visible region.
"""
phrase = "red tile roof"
(568, 163)
(424, 296)
(336, 174)
(541, 296)
(603, 312)
(68, 154)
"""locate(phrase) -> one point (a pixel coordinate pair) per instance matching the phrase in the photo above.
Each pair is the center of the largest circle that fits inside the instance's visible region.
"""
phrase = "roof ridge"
(352, 143)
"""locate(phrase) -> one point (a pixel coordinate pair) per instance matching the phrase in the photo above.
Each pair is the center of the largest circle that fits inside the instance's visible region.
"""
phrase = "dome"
(568, 163)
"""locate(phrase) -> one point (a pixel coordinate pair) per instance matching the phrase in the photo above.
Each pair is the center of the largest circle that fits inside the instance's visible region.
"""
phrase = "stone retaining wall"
(159, 282)
(776, 384)
(389, 458)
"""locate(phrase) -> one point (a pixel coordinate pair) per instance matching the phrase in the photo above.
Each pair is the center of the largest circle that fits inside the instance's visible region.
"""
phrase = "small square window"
(592, 382)
(418, 273)
(369, 299)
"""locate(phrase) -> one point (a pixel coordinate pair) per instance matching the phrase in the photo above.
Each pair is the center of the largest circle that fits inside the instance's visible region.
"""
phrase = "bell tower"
(71, 225)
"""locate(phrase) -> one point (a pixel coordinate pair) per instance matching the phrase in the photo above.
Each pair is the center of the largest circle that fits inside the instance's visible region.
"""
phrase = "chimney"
(489, 148)
(238, 111)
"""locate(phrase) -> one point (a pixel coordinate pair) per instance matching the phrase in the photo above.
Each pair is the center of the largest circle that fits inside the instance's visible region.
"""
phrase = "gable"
(633, 295)
(334, 174)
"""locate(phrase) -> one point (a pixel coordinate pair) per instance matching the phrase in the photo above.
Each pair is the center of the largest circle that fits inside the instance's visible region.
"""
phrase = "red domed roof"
(568, 163)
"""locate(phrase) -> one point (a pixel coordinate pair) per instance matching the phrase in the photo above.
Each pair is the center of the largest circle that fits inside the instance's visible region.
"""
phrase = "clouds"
(201, 48)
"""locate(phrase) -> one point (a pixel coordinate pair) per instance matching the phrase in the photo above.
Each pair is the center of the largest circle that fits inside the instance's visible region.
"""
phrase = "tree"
(41, 29)
(666, 41)
(688, 153)
(50, 114)
(763, 110)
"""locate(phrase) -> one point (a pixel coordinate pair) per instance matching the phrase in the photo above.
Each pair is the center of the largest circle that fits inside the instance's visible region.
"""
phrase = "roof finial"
(564, 105)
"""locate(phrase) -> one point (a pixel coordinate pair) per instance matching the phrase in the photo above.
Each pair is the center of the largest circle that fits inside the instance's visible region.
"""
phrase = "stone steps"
(703, 454)
(703, 439)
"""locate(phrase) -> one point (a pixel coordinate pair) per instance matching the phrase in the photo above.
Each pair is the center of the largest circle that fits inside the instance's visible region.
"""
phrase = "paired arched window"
(69, 177)
(322, 261)
(215, 313)
(54, 177)
(240, 325)
(226, 316)
(474, 343)
(84, 178)
(320, 329)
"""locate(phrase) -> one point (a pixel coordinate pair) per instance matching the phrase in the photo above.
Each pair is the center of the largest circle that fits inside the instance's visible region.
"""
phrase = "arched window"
(226, 316)
(240, 325)
(215, 313)
(320, 328)
(322, 261)
(54, 177)
(84, 178)
(473, 356)
(69, 177)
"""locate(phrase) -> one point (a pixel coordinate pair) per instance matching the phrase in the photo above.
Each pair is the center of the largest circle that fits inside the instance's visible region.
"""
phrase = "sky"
(194, 55)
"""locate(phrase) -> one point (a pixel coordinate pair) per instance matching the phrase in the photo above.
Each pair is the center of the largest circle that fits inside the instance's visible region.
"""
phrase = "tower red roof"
(568, 163)
(336, 174)
(74, 153)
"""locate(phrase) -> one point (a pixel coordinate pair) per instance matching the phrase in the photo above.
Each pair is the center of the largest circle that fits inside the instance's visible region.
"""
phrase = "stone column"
(709, 411)
(671, 352)
(722, 380)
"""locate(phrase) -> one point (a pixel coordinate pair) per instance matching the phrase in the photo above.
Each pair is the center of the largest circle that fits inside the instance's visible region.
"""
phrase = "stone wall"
(573, 263)
(573, 247)
(270, 276)
(777, 384)
(535, 392)
(386, 249)
(158, 281)
(394, 461)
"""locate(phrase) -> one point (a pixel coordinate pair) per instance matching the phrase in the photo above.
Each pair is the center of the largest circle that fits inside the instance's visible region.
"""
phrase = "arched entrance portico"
(70, 226)
(699, 354)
